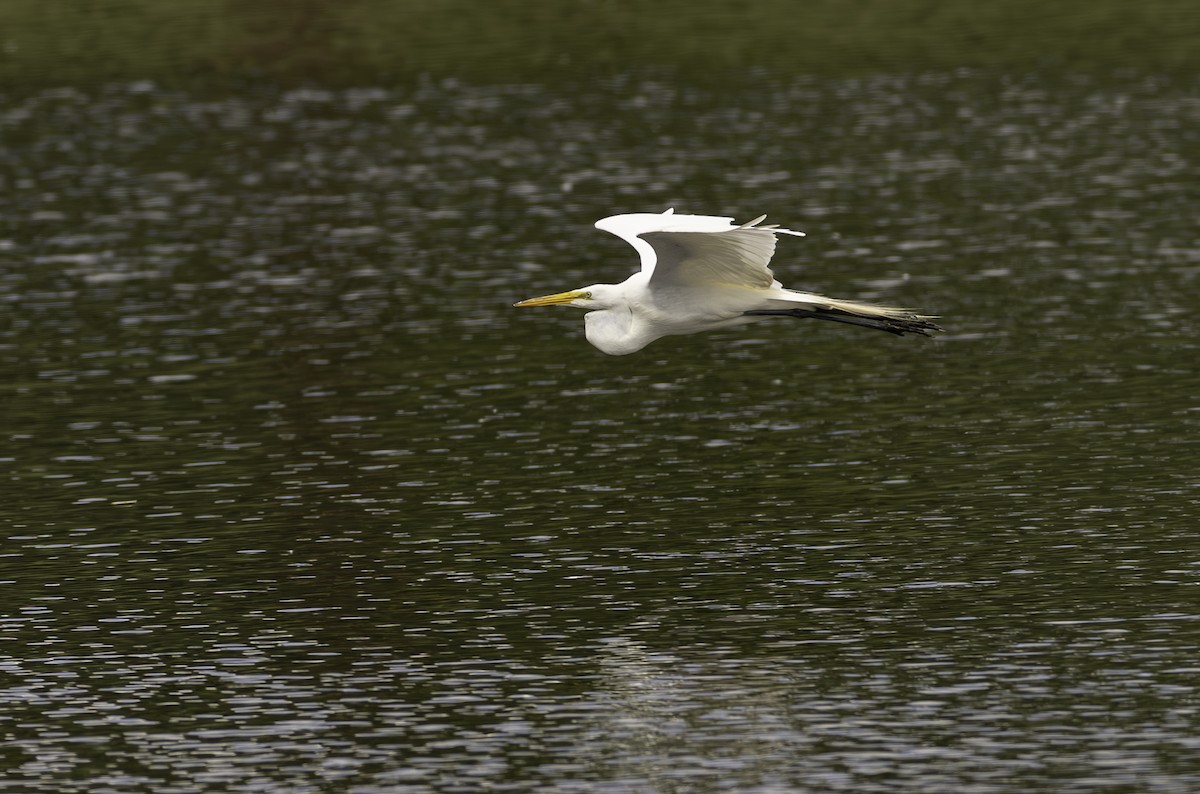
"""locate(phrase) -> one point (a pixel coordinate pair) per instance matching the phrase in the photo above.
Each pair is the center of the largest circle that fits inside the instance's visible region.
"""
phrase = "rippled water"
(298, 502)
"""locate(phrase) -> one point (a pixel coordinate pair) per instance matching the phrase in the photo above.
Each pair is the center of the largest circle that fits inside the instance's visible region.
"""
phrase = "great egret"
(701, 272)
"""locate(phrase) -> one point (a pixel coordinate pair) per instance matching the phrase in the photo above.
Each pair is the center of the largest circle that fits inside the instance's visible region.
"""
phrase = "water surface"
(297, 501)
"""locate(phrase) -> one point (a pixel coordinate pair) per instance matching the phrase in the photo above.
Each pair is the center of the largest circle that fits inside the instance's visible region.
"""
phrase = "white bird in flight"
(701, 272)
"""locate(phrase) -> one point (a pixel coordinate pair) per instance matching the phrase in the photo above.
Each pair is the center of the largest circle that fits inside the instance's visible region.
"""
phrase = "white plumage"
(701, 272)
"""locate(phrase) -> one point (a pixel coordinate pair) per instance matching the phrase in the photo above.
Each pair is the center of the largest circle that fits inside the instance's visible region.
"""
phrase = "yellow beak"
(556, 299)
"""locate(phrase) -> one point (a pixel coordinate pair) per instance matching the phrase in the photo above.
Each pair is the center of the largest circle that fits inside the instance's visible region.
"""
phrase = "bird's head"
(597, 296)
(609, 319)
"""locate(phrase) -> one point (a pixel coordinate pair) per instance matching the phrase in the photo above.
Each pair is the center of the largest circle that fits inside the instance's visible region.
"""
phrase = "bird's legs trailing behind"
(898, 324)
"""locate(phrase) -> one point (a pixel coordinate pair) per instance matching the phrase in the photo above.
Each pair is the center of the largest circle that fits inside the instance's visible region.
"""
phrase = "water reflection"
(296, 496)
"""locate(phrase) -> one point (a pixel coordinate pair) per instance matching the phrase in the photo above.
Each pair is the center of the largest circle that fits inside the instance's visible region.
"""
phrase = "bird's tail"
(891, 319)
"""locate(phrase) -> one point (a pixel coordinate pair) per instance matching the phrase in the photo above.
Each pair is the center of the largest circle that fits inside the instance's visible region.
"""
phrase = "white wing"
(699, 249)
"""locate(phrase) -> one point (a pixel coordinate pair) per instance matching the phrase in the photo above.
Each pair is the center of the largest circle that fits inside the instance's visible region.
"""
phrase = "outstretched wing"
(696, 250)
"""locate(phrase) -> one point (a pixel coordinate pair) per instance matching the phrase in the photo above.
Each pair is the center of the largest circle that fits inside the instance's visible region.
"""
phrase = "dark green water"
(297, 502)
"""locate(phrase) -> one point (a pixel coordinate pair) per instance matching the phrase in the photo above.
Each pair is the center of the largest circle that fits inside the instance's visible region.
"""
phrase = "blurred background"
(294, 500)
(389, 42)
